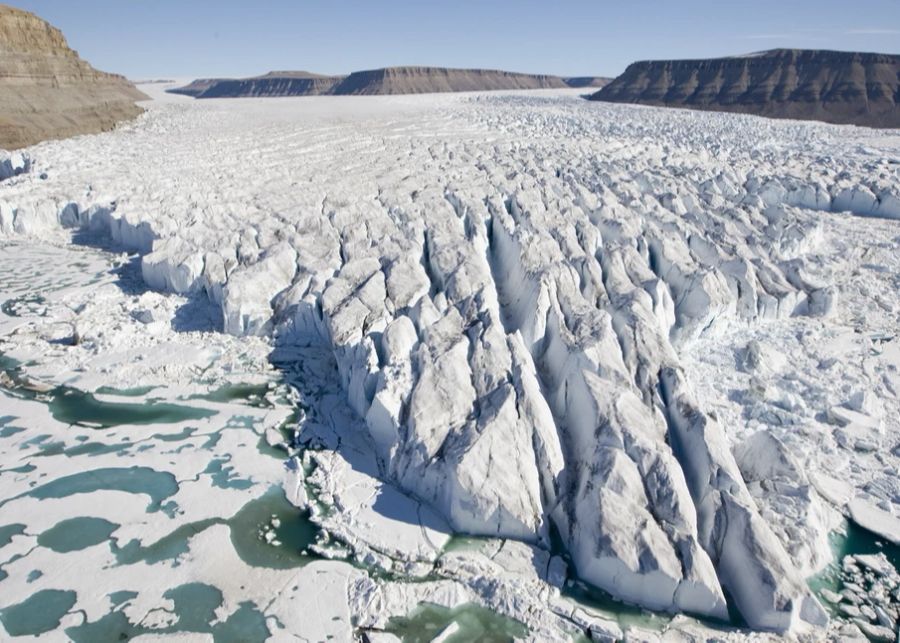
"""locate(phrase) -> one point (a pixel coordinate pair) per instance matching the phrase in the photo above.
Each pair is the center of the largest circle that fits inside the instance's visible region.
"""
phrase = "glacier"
(538, 311)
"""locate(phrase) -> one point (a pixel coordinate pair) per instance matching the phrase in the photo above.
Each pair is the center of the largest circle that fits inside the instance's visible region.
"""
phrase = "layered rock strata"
(831, 86)
(48, 91)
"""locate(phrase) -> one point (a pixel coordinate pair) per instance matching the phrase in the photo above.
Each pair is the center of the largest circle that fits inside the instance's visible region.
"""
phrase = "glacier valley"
(547, 368)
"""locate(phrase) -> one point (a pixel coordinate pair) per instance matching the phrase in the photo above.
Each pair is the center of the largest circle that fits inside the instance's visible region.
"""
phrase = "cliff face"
(47, 91)
(425, 80)
(830, 86)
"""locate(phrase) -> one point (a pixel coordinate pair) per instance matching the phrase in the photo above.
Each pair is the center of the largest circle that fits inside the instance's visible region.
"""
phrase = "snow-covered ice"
(659, 344)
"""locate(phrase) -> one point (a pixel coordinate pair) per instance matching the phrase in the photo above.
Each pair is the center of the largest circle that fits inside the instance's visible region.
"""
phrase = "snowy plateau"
(550, 369)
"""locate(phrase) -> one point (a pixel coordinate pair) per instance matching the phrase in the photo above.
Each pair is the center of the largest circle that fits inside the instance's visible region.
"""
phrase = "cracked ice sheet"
(827, 388)
(374, 516)
(311, 602)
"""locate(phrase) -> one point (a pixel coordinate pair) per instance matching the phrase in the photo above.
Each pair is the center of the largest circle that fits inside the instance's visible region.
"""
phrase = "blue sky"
(179, 38)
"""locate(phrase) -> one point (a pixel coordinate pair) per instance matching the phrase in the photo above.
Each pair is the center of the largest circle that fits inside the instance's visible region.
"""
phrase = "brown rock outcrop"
(47, 91)
(830, 86)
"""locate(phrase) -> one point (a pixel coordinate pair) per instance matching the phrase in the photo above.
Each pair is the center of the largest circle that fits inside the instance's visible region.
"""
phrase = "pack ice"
(507, 285)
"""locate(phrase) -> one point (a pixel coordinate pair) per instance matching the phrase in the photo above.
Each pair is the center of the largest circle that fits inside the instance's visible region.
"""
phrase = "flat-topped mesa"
(387, 80)
(48, 91)
(831, 86)
(427, 80)
(275, 83)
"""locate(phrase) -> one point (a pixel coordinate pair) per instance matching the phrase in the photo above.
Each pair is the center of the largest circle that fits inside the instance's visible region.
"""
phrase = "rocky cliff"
(48, 91)
(830, 86)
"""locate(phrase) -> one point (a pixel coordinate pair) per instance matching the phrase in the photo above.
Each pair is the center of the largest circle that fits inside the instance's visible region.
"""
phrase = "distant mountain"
(197, 87)
(830, 86)
(389, 80)
(276, 83)
(587, 81)
(427, 80)
(47, 91)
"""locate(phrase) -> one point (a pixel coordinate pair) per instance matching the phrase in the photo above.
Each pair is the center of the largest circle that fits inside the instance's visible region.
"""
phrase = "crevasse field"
(507, 365)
